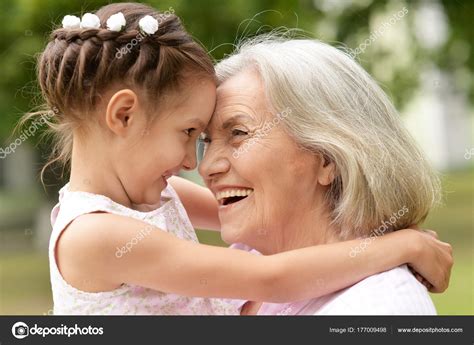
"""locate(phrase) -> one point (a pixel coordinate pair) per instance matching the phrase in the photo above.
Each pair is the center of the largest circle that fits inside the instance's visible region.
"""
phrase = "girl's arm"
(201, 207)
(199, 202)
(163, 262)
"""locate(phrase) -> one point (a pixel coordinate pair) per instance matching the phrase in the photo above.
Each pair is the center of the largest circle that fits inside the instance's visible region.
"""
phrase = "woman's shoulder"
(393, 292)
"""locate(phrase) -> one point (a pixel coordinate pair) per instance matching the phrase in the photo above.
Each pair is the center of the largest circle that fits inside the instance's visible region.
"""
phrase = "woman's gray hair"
(340, 112)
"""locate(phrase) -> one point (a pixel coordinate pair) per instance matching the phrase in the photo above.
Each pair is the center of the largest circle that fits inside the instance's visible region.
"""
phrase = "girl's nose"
(190, 162)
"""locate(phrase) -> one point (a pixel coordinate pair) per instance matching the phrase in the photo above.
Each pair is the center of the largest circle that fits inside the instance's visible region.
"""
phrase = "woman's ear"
(326, 170)
(121, 111)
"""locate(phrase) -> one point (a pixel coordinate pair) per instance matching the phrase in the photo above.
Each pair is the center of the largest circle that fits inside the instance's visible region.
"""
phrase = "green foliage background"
(24, 29)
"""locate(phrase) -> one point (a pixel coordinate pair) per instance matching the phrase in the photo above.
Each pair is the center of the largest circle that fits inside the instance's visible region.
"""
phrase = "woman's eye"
(238, 132)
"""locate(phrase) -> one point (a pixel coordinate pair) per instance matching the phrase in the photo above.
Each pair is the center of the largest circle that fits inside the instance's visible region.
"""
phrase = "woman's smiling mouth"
(232, 195)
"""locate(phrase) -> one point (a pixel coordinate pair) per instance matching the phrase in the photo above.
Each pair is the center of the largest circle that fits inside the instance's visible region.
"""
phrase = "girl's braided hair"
(78, 65)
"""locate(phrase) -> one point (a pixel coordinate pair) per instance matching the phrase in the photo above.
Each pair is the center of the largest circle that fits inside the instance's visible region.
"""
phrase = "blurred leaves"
(395, 59)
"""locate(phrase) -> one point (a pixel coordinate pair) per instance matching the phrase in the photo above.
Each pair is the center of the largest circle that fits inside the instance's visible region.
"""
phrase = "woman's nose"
(214, 163)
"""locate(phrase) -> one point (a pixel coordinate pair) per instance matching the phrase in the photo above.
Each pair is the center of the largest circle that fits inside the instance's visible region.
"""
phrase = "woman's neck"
(303, 229)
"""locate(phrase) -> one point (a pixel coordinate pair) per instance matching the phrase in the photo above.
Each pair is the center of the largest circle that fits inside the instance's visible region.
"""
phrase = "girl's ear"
(121, 111)
(326, 170)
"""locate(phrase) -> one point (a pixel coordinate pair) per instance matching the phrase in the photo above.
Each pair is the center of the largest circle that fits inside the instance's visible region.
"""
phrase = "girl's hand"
(433, 261)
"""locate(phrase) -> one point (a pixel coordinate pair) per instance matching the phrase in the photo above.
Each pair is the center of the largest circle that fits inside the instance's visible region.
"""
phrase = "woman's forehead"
(246, 83)
(240, 99)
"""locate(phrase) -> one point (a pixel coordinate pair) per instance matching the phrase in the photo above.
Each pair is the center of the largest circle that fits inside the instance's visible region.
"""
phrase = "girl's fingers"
(422, 280)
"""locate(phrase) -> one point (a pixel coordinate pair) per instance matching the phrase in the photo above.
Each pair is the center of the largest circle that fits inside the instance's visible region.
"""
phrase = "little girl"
(131, 92)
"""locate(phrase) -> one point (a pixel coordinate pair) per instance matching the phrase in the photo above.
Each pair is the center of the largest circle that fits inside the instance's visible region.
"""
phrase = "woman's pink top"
(393, 292)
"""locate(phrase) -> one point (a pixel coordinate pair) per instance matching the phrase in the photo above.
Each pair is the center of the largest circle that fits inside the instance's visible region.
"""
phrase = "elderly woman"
(303, 138)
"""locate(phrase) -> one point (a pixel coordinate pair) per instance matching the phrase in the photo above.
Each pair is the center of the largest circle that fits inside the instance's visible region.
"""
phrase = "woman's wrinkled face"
(264, 183)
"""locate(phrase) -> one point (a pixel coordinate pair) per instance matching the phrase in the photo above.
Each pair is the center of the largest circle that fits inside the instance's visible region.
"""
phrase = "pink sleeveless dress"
(128, 299)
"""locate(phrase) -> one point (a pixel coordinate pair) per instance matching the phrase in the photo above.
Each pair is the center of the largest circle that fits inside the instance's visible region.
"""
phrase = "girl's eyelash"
(189, 131)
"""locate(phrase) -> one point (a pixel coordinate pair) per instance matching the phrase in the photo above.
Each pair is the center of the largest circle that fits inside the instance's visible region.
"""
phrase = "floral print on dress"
(127, 299)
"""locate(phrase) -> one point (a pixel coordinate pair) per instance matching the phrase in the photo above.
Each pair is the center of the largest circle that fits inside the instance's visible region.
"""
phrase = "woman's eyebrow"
(234, 119)
(226, 124)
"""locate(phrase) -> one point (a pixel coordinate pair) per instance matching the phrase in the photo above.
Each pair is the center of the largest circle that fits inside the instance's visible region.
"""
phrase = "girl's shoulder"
(87, 251)
(91, 232)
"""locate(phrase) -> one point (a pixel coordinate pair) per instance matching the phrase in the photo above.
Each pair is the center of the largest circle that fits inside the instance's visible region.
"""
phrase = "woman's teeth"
(234, 192)
(234, 195)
